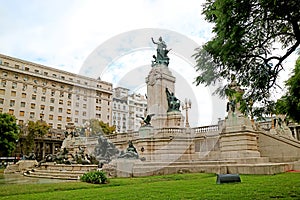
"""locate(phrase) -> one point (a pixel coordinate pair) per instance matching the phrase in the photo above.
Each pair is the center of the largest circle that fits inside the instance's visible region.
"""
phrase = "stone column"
(159, 78)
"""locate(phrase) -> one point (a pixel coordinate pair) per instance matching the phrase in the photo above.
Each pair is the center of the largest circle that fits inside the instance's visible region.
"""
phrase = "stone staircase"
(59, 171)
(54, 174)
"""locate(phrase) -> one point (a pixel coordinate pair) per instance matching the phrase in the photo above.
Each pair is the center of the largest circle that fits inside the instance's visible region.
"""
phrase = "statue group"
(162, 53)
(173, 102)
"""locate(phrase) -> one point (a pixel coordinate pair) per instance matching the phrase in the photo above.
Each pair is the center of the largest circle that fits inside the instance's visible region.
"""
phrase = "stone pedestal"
(122, 167)
(238, 139)
(159, 78)
(175, 119)
(145, 132)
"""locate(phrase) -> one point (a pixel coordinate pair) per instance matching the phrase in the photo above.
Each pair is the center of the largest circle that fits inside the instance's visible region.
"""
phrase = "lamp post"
(185, 106)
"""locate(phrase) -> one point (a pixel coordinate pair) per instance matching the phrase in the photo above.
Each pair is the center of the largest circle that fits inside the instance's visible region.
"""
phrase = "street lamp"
(185, 106)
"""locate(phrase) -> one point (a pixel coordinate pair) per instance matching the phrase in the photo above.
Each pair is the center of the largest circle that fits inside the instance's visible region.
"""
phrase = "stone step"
(37, 170)
(49, 176)
(52, 175)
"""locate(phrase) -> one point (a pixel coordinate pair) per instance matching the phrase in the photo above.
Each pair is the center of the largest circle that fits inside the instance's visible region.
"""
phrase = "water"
(20, 179)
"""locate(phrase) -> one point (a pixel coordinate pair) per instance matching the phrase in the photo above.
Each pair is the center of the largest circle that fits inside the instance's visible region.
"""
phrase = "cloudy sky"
(65, 34)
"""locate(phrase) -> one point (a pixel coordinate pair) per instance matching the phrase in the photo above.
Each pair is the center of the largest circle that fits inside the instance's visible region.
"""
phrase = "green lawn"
(179, 186)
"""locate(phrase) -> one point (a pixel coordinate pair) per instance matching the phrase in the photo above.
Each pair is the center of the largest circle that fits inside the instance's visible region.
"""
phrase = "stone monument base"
(145, 131)
(238, 139)
(174, 119)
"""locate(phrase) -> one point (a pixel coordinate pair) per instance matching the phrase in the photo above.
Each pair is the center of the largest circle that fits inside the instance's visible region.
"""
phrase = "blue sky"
(64, 33)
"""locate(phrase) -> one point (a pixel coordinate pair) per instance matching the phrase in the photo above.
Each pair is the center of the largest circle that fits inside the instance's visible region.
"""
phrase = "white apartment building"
(137, 104)
(127, 109)
(31, 91)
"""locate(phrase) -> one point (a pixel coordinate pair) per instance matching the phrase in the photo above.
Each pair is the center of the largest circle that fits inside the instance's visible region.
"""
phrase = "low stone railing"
(205, 129)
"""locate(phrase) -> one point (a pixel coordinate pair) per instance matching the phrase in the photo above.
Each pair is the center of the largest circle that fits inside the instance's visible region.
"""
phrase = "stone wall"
(278, 148)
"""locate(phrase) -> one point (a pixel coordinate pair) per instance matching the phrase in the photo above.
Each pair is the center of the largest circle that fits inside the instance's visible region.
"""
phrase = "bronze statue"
(162, 51)
(173, 102)
(147, 120)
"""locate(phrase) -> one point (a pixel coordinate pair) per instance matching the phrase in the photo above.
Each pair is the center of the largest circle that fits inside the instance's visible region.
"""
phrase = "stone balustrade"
(205, 129)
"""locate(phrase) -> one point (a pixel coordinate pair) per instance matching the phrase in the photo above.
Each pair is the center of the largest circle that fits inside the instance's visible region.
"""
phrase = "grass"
(178, 186)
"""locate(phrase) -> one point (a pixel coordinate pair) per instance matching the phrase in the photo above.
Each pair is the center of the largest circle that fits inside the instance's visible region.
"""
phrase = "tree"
(35, 129)
(246, 35)
(9, 134)
(289, 104)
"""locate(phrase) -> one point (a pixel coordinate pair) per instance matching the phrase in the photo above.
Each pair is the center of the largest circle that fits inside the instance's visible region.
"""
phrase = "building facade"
(31, 91)
(137, 104)
(127, 110)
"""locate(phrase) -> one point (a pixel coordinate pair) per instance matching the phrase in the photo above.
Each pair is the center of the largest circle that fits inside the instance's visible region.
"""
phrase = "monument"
(238, 138)
(161, 99)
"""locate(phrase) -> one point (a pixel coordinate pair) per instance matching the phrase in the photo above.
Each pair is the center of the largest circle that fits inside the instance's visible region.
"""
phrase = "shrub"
(96, 177)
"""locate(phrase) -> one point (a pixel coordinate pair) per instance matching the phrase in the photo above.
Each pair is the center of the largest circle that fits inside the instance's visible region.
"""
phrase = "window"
(14, 85)
(25, 78)
(32, 105)
(23, 104)
(60, 110)
(69, 111)
(34, 89)
(42, 107)
(77, 104)
(24, 87)
(21, 113)
(76, 120)
(84, 105)
(69, 119)
(69, 96)
(1, 101)
(44, 90)
(51, 108)
(61, 102)
(83, 113)
(52, 100)
(21, 122)
(58, 126)
(69, 103)
(17, 66)
(2, 91)
(26, 68)
(11, 111)
(50, 117)
(76, 112)
(62, 77)
(13, 93)
(6, 63)
(84, 99)
(1, 110)
(45, 73)
(33, 97)
(12, 103)
(52, 92)
(54, 75)
(35, 81)
(85, 83)
(3, 83)
(16, 76)
(98, 115)
(43, 99)
(98, 108)
(4, 74)
(61, 94)
(50, 125)
(23, 95)
(59, 118)
(36, 71)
